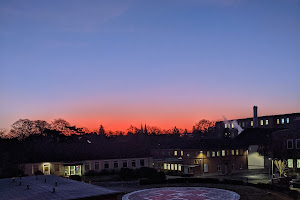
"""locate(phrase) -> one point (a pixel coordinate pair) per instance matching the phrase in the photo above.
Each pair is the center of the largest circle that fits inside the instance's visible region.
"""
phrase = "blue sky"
(168, 62)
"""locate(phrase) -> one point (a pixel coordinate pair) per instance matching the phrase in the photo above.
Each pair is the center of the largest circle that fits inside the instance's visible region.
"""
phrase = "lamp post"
(202, 162)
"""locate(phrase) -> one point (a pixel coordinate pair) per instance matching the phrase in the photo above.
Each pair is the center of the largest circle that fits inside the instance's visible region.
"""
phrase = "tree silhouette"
(21, 129)
(203, 125)
(101, 130)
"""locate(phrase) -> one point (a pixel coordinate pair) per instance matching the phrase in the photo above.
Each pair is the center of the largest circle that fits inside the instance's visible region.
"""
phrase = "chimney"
(255, 119)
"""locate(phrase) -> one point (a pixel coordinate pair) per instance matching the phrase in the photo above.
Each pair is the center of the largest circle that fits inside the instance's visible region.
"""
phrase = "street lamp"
(202, 161)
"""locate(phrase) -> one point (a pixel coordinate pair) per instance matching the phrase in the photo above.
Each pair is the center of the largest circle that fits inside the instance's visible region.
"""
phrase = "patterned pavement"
(182, 193)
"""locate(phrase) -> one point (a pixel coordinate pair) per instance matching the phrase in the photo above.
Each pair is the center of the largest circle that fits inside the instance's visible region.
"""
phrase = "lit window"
(175, 167)
(251, 123)
(179, 167)
(232, 125)
(175, 153)
(298, 163)
(142, 162)
(267, 122)
(290, 144)
(282, 121)
(97, 165)
(172, 167)
(290, 163)
(243, 124)
(133, 164)
(297, 143)
(205, 167)
(213, 154)
(225, 125)
(72, 170)
(287, 120)
(237, 152)
(169, 166)
(232, 152)
(56, 167)
(188, 155)
(233, 166)
(208, 154)
(181, 153)
(165, 166)
(223, 152)
(277, 121)
(219, 168)
(261, 122)
(218, 153)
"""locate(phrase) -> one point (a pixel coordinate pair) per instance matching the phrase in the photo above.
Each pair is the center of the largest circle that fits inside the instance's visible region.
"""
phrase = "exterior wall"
(194, 161)
(58, 168)
(116, 164)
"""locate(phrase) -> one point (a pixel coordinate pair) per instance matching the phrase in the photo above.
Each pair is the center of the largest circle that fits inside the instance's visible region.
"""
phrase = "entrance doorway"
(46, 168)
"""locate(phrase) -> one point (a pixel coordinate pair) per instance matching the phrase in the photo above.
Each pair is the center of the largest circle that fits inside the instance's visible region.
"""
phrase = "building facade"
(196, 161)
(80, 168)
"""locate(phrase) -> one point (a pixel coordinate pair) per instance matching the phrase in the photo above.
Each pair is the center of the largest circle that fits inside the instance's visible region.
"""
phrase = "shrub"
(127, 174)
(75, 177)
(38, 172)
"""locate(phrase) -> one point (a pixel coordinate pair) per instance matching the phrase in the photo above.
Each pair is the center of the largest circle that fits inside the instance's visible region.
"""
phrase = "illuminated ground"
(182, 193)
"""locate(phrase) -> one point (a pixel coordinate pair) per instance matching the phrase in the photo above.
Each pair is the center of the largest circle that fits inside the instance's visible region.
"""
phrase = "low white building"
(81, 167)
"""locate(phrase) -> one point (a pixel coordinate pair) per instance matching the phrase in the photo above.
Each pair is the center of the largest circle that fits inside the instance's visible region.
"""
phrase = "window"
(287, 120)
(233, 166)
(218, 153)
(116, 164)
(251, 123)
(297, 143)
(298, 163)
(219, 168)
(243, 124)
(188, 155)
(232, 125)
(282, 121)
(237, 152)
(133, 163)
(228, 153)
(165, 166)
(179, 167)
(261, 122)
(56, 167)
(106, 165)
(175, 167)
(290, 163)
(241, 151)
(97, 165)
(142, 162)
(72, 170)
(277, 121)
(290, 144)
(223, 152)
(169, 167)
(267, 122)
(124, 163)
(35, 168)
(213, 154)
(242, 166)
(181, 153)
(87, 166)
(208, 154)
(225, 125)
(175, 153)
(232, 152)
(172, 167)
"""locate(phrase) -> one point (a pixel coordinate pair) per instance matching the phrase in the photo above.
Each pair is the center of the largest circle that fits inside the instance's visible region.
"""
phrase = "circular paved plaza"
(182, 193)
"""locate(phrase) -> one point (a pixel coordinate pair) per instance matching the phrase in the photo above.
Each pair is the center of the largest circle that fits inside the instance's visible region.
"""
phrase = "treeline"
(23, 128)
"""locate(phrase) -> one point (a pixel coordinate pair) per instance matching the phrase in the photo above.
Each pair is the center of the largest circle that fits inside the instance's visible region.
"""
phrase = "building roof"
(279, 115)
(38, 189)
(255, 136)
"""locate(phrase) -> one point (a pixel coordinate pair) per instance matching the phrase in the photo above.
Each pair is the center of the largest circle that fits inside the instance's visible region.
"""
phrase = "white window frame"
(297, 143)
(98, 164)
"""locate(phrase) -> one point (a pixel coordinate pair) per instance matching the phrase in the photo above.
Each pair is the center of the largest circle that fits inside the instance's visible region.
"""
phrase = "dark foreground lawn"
(246, 192)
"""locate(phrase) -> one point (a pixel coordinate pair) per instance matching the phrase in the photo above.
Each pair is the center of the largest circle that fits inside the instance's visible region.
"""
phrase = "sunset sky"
(162, 62)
